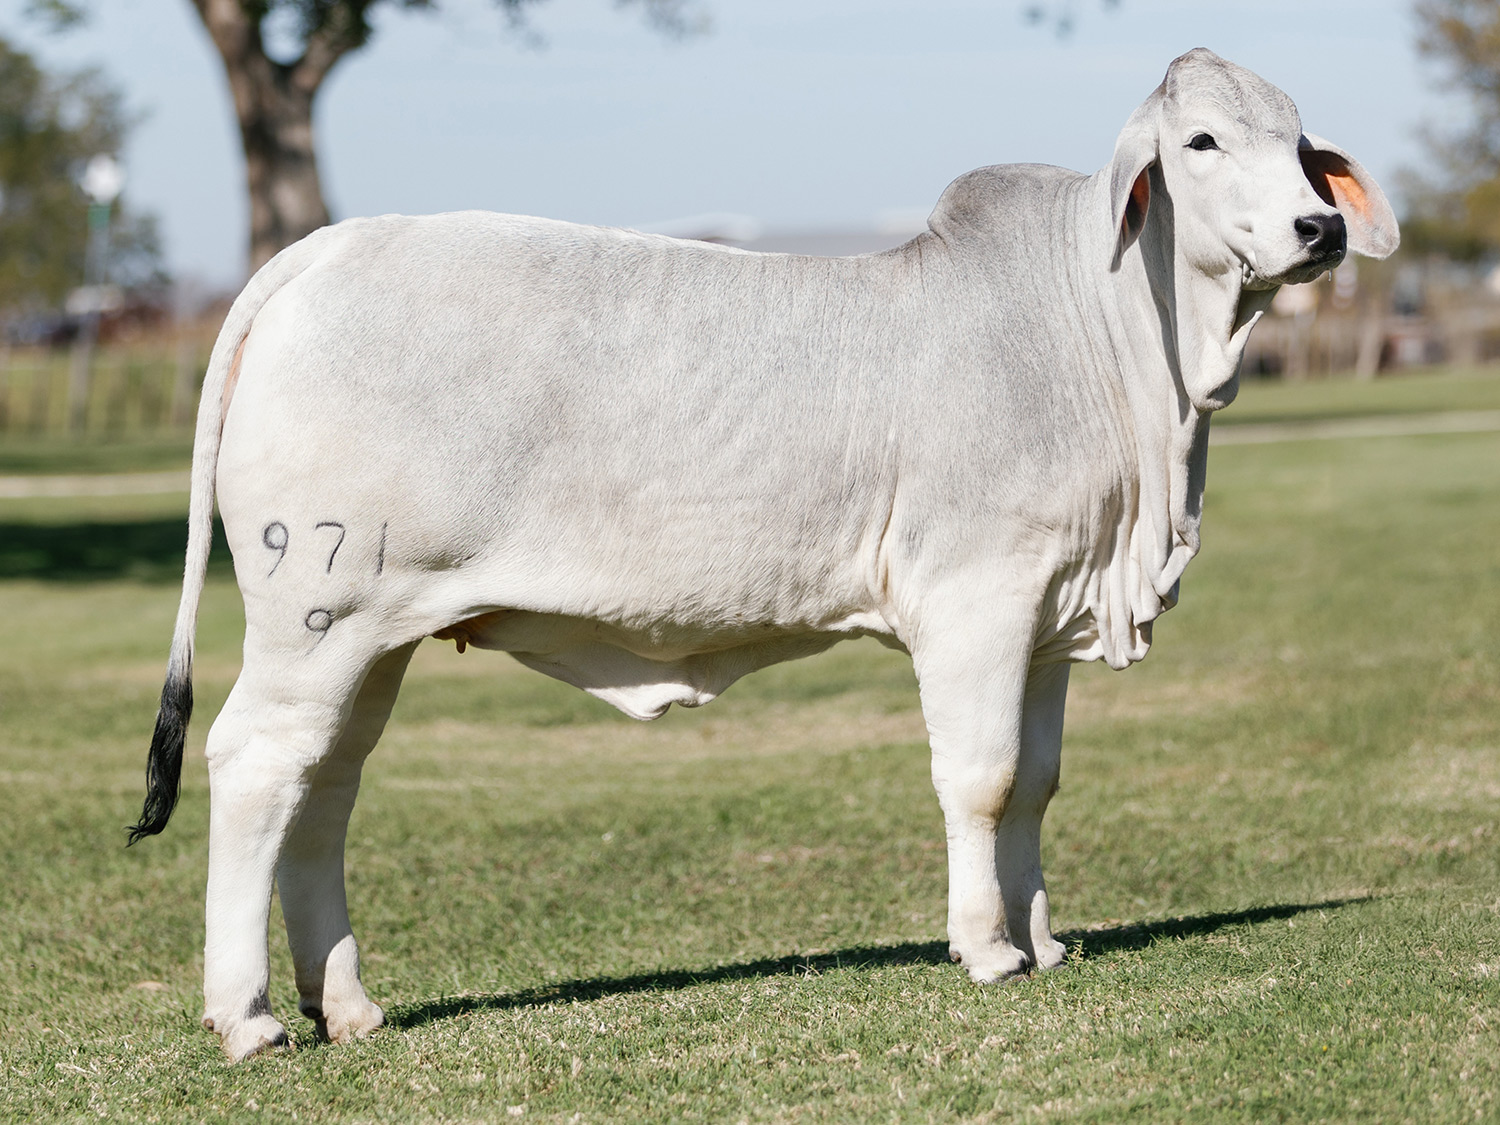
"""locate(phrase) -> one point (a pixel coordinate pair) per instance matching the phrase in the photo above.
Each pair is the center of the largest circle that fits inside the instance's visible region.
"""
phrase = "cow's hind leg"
(1018, 840)
(310, 875)
(280, 723)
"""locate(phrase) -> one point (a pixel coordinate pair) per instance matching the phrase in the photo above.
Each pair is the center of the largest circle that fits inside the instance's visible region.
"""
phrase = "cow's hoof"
(998, 964)
(248, 1037)
(349, 1022)
(1050, 954)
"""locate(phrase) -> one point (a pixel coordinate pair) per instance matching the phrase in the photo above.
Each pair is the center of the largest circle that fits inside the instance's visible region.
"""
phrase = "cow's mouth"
(1327, 259)
(1301, 273)
(1250, 279)
(1311, 269)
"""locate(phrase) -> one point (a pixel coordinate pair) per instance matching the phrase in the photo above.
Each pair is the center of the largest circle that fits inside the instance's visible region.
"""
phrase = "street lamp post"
(101, 181)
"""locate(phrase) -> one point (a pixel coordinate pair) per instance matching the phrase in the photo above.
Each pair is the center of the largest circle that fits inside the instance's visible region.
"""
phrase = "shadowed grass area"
(148, 550)
(28, 454)
(1094, 942)
(1275, 860)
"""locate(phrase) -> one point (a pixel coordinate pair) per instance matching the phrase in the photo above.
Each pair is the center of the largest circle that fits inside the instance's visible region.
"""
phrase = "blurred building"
(1370, 317)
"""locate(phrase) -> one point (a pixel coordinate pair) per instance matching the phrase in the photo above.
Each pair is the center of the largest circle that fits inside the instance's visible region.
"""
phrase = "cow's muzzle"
(1323, 237)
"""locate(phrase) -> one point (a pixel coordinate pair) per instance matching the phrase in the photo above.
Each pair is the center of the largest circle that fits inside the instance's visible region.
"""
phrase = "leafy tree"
(274, 91)
(1459, 213)
(1060, 15)
(49, 127)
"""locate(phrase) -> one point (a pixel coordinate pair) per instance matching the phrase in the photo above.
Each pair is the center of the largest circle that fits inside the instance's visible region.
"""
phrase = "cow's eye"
(1202, 142)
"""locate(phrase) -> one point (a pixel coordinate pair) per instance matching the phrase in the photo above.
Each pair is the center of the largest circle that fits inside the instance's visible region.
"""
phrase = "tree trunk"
(273, 102)
(1371, 337)
(286, 200)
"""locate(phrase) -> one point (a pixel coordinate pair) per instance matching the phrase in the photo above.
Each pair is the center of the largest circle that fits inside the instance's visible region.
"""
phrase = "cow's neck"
(1179, 336)
(1204, 316)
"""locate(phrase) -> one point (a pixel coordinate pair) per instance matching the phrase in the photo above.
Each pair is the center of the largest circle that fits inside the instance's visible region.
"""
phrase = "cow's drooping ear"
(1130, 174)
(1342, 182)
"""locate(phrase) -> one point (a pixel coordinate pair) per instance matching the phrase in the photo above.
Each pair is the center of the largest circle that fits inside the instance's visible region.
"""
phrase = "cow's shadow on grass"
(1088, 943)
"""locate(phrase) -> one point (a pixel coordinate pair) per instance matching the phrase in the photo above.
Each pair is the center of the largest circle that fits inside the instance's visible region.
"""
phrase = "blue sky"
(798, 112)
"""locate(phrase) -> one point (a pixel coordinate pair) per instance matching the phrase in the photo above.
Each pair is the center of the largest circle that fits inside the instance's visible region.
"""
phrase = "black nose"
(1323, 235)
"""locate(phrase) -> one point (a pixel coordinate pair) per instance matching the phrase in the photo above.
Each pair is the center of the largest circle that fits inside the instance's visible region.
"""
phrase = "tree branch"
(236, 34)
(342, 29)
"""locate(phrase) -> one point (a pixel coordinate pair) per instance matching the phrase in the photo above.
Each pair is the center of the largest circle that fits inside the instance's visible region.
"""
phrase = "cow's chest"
(1103, 598)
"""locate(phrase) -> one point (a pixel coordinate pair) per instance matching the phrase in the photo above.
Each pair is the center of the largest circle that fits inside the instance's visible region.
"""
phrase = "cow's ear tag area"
(1129, 173)
(1341, 182)
(1135, 207)
(1132, 215)
(1330, 178)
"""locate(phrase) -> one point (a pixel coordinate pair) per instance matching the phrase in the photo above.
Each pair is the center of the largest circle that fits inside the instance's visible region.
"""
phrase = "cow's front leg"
(971, 665)
(310, 875)
(1018, 841)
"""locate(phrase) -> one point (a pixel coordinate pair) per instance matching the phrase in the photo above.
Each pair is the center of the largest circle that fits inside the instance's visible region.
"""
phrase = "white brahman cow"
(648, 467)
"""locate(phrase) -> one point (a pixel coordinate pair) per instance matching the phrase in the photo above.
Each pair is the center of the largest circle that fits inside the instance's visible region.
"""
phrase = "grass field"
(1275, 859)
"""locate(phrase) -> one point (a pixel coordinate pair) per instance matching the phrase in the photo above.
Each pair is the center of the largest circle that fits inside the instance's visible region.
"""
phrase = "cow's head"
(1229, 199)
(1250, 192)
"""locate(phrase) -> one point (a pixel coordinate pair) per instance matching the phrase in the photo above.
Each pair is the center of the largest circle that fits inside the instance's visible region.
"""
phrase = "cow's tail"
(164, 760)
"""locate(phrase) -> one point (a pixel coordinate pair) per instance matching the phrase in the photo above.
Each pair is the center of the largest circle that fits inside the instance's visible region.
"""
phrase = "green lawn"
(1422, 392)
(27, 454)
(1275, 857)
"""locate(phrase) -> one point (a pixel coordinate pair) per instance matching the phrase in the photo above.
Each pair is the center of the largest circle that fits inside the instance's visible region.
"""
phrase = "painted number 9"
(276, 537)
